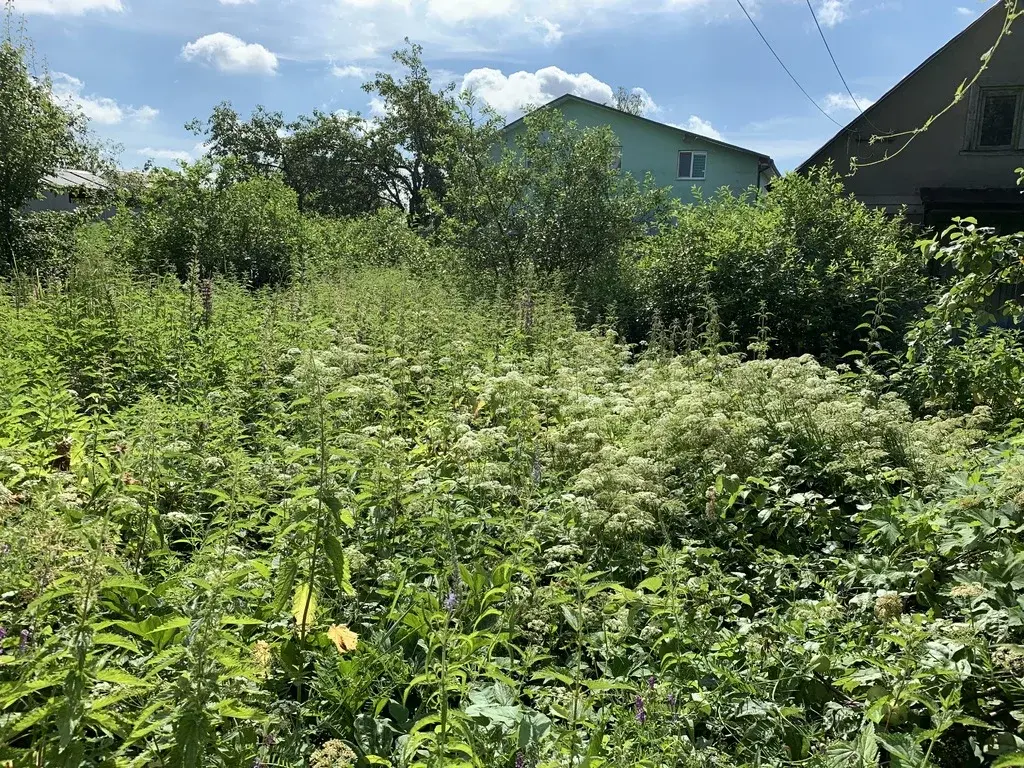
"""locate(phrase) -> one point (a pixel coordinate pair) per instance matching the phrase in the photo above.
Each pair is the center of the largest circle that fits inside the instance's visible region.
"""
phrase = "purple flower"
(520, 760)
(641, 713)
(671, 699)
(651, 682)
(451, 602)
(25, 636)
(3, 634)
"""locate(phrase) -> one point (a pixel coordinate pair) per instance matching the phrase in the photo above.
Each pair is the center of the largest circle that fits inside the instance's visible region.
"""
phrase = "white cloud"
(552, 32)
(349, 71)
(164, 154)
(145, 114)
(650, 106)
(510, 94)
(700, 126)
(460, 11)
(843, 102)
(230, 54)
(237, 2)
(99, 109)
(66, 7)
(965, 11)
(833, 12)
(356, 30)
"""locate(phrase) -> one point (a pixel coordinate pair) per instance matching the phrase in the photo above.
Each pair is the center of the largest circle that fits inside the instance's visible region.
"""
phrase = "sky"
(141, 69)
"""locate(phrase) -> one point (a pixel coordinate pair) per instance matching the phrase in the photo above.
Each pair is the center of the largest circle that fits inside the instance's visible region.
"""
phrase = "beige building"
(964, 163)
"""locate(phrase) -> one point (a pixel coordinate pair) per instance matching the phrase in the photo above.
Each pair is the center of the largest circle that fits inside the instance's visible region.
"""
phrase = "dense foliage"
(367, 522)
(967, 348)
(284, 485)
(38, 135)
(812, 254)
(549, 203)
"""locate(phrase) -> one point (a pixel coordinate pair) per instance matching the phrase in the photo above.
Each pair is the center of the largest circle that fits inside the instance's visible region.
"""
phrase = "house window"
(617, 157)
(998, 123)
(693, 165)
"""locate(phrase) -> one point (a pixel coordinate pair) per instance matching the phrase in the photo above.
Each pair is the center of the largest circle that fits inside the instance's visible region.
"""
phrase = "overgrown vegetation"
(475, 456)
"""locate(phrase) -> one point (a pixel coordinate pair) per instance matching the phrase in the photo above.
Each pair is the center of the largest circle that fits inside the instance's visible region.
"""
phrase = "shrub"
(251, 229)
(43, 242)
(815, 257)
(551, 204)
(382, 239)
(958, 358)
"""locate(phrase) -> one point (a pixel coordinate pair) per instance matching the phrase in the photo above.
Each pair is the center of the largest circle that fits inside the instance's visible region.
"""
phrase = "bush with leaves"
(967, 350)
(553, 205)
(813, 256)
(251, 228)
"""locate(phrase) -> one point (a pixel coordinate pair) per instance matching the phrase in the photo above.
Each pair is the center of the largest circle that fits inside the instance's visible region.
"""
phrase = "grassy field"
(363, 521)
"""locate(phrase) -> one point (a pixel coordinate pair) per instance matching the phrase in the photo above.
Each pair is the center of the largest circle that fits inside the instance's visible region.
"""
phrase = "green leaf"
(124, 582)
(342, 514)
(336, 554)
(304, 607)
(120, 677)
(651, 584)
(571, 618)
(285, 582)
(176, 623)
(108, 638)
(1009, 761)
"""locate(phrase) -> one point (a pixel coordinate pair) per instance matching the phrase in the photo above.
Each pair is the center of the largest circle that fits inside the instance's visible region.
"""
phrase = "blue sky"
(142, 68)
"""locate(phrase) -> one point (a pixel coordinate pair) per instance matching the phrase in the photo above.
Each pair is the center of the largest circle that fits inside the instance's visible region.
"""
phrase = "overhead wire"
(783, 65)
(836, 65)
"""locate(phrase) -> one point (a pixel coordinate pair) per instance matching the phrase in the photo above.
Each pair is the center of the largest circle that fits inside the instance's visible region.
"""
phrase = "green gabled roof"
(690, 135)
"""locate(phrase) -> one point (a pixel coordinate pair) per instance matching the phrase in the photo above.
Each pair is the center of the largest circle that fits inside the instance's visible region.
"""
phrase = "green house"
(675, 157)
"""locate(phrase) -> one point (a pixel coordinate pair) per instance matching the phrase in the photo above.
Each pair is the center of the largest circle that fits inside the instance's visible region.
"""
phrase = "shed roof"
(690, 135)
(73, 178)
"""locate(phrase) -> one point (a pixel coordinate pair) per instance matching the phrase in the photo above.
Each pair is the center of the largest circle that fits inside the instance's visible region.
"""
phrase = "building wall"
(939, 157)
(51, 201)
(651, 148)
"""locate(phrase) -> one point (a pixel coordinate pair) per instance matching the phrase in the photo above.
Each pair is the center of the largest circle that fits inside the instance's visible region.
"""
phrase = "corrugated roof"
(73, 178)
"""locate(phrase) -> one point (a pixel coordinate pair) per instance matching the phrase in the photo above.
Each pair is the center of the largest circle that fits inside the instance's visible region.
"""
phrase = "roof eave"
(689, 134)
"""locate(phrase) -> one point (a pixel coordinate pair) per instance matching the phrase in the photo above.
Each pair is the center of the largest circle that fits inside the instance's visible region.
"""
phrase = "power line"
(836, 65)
(783, 64)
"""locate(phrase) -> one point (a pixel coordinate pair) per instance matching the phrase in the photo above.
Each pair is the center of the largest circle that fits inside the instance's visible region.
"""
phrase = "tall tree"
(257, 143)
(631, 101)
(412, 129)
(335, 165)
(331, 161)
(37, 136)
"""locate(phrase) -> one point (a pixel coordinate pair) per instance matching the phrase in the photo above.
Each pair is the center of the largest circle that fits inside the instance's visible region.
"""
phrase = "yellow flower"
(262, 657)
(343, 637)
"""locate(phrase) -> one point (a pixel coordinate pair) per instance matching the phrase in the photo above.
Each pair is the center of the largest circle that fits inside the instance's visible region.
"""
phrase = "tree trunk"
(6, 241)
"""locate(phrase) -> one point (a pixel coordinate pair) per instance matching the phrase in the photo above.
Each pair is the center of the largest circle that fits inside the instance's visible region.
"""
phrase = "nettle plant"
(374, 522)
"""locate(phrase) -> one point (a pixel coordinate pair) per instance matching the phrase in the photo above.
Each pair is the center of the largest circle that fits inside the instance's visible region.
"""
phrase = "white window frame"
(978, 115)
(692, 154)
